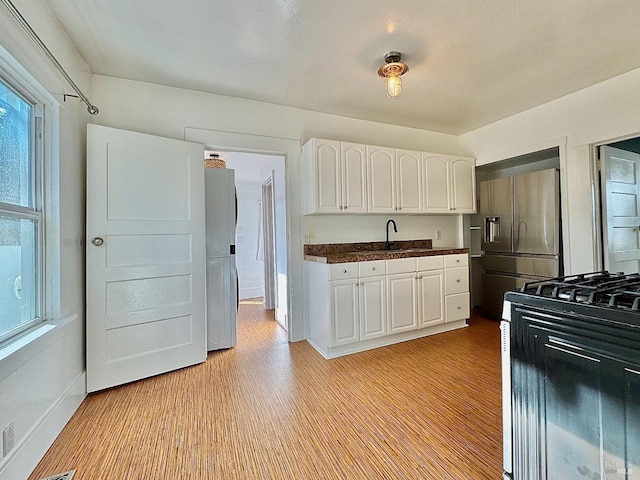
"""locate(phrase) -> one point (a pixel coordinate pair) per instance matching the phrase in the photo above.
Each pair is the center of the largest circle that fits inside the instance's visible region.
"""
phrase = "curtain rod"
(92, 109)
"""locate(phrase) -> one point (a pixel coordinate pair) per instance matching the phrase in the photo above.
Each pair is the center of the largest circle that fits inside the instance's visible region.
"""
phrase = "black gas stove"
(611, 297)
(571, 377)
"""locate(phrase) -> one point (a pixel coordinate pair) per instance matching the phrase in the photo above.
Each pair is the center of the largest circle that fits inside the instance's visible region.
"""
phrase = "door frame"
(290, 150)
(598, 230)
(268, 241)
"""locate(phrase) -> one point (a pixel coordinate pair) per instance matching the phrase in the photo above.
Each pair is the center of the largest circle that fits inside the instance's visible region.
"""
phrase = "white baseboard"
(29, 452)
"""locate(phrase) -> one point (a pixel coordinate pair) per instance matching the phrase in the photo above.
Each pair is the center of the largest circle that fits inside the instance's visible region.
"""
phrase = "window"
(21, 218)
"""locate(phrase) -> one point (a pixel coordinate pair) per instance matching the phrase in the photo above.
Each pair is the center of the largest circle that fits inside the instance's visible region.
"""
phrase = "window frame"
(44, 127)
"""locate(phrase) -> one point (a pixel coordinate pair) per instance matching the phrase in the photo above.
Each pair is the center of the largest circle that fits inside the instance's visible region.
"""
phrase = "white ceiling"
(471, 62)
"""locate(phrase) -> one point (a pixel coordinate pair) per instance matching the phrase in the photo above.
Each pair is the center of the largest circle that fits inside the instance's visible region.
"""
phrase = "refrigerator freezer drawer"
(538, 266)
(494, 286)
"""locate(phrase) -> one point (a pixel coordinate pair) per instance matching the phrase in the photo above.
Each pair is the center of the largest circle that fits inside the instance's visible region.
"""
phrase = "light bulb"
(394, 86)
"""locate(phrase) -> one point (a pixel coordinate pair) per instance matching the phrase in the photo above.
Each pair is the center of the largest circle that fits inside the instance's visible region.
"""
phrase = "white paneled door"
(145, 256)
(620, 185)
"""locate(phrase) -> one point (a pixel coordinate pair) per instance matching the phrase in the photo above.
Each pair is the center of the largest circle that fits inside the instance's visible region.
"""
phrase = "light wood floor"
(425, 409)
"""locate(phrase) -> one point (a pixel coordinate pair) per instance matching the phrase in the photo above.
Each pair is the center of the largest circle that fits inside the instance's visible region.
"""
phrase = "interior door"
(145, 256)
(620, 189)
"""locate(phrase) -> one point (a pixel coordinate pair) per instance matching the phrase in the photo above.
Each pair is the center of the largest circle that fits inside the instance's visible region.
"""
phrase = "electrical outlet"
(7, 440)
(438, 235)
(306, 238)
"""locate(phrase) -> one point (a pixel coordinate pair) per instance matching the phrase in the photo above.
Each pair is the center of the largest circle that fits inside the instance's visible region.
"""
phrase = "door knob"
(97, 241)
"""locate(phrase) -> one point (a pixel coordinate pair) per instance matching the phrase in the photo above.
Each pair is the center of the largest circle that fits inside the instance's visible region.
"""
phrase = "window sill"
(15, 353)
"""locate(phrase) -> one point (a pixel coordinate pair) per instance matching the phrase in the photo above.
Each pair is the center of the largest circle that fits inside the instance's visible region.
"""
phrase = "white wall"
(42, 384)
(249, 263)
(598, 114)
(372, 228)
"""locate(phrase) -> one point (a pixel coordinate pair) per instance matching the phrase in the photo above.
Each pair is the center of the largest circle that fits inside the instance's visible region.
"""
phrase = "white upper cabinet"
(335, 177)
(395, 180)
(354, 177)
(381, 170)
(341, 177)
(450, 184)
(436, 182)
(463, 184)
(409, 181)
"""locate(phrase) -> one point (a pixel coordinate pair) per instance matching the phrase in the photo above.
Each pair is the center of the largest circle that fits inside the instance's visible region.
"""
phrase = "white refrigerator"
(222, 286)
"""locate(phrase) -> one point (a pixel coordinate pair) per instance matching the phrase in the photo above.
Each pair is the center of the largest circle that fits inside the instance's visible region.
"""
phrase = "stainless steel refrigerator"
(222, 287)
(521, 239)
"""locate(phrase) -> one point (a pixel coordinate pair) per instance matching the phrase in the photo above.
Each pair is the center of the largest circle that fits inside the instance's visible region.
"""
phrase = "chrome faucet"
(387, 244)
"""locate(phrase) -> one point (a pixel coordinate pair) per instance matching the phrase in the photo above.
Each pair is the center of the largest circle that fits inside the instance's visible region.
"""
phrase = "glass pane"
(18, 273)
(15, 164)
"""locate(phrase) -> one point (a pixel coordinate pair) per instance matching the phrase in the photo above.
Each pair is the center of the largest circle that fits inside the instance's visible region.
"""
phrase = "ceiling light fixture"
(392, 72)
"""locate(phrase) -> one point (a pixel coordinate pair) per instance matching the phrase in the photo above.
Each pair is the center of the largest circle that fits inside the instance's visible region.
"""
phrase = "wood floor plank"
(267, 409)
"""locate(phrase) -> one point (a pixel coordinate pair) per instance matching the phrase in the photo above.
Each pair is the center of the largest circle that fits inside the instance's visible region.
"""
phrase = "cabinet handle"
(357, 284)
(458, 280)
(345, 207)
(458, 260)
(459, 307)
(373, 268)
(344, 271)
(399, 208)
(419, 278)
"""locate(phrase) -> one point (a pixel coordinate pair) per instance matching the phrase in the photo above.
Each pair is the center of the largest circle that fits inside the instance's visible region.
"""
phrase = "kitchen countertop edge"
(364, 256)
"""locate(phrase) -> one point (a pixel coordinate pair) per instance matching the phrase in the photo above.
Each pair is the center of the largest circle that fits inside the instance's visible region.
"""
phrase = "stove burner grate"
(612, 290)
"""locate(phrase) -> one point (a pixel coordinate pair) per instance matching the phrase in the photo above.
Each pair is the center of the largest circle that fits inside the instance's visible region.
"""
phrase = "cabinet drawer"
(338, 271)
(456, 280)
(456, 307)
(371, 269)
(457, 260)
(401, 265)
(430, 263)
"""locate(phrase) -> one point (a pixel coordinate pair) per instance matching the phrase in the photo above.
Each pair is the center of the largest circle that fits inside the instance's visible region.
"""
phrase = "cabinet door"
(409, 181)
(463, 184)
(430, 305)
(373, 316)
(436, 183)
(344, 311)
(328, 176)
(401, 300)
(354, 178)
(381, 179)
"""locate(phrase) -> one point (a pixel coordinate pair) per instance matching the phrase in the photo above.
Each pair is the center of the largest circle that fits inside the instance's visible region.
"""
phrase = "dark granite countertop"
(368, 251)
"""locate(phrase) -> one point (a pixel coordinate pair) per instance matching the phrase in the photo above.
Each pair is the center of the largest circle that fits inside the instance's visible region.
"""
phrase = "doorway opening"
(261, 237)
(619, 184)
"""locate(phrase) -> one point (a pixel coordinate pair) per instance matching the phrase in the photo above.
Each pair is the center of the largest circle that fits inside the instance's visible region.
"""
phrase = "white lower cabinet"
(401, 295)
(430, 311)
(344, 311)
(358, 306)
(457, 307)
(358, 309)
(415, 295)
(456, 288)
